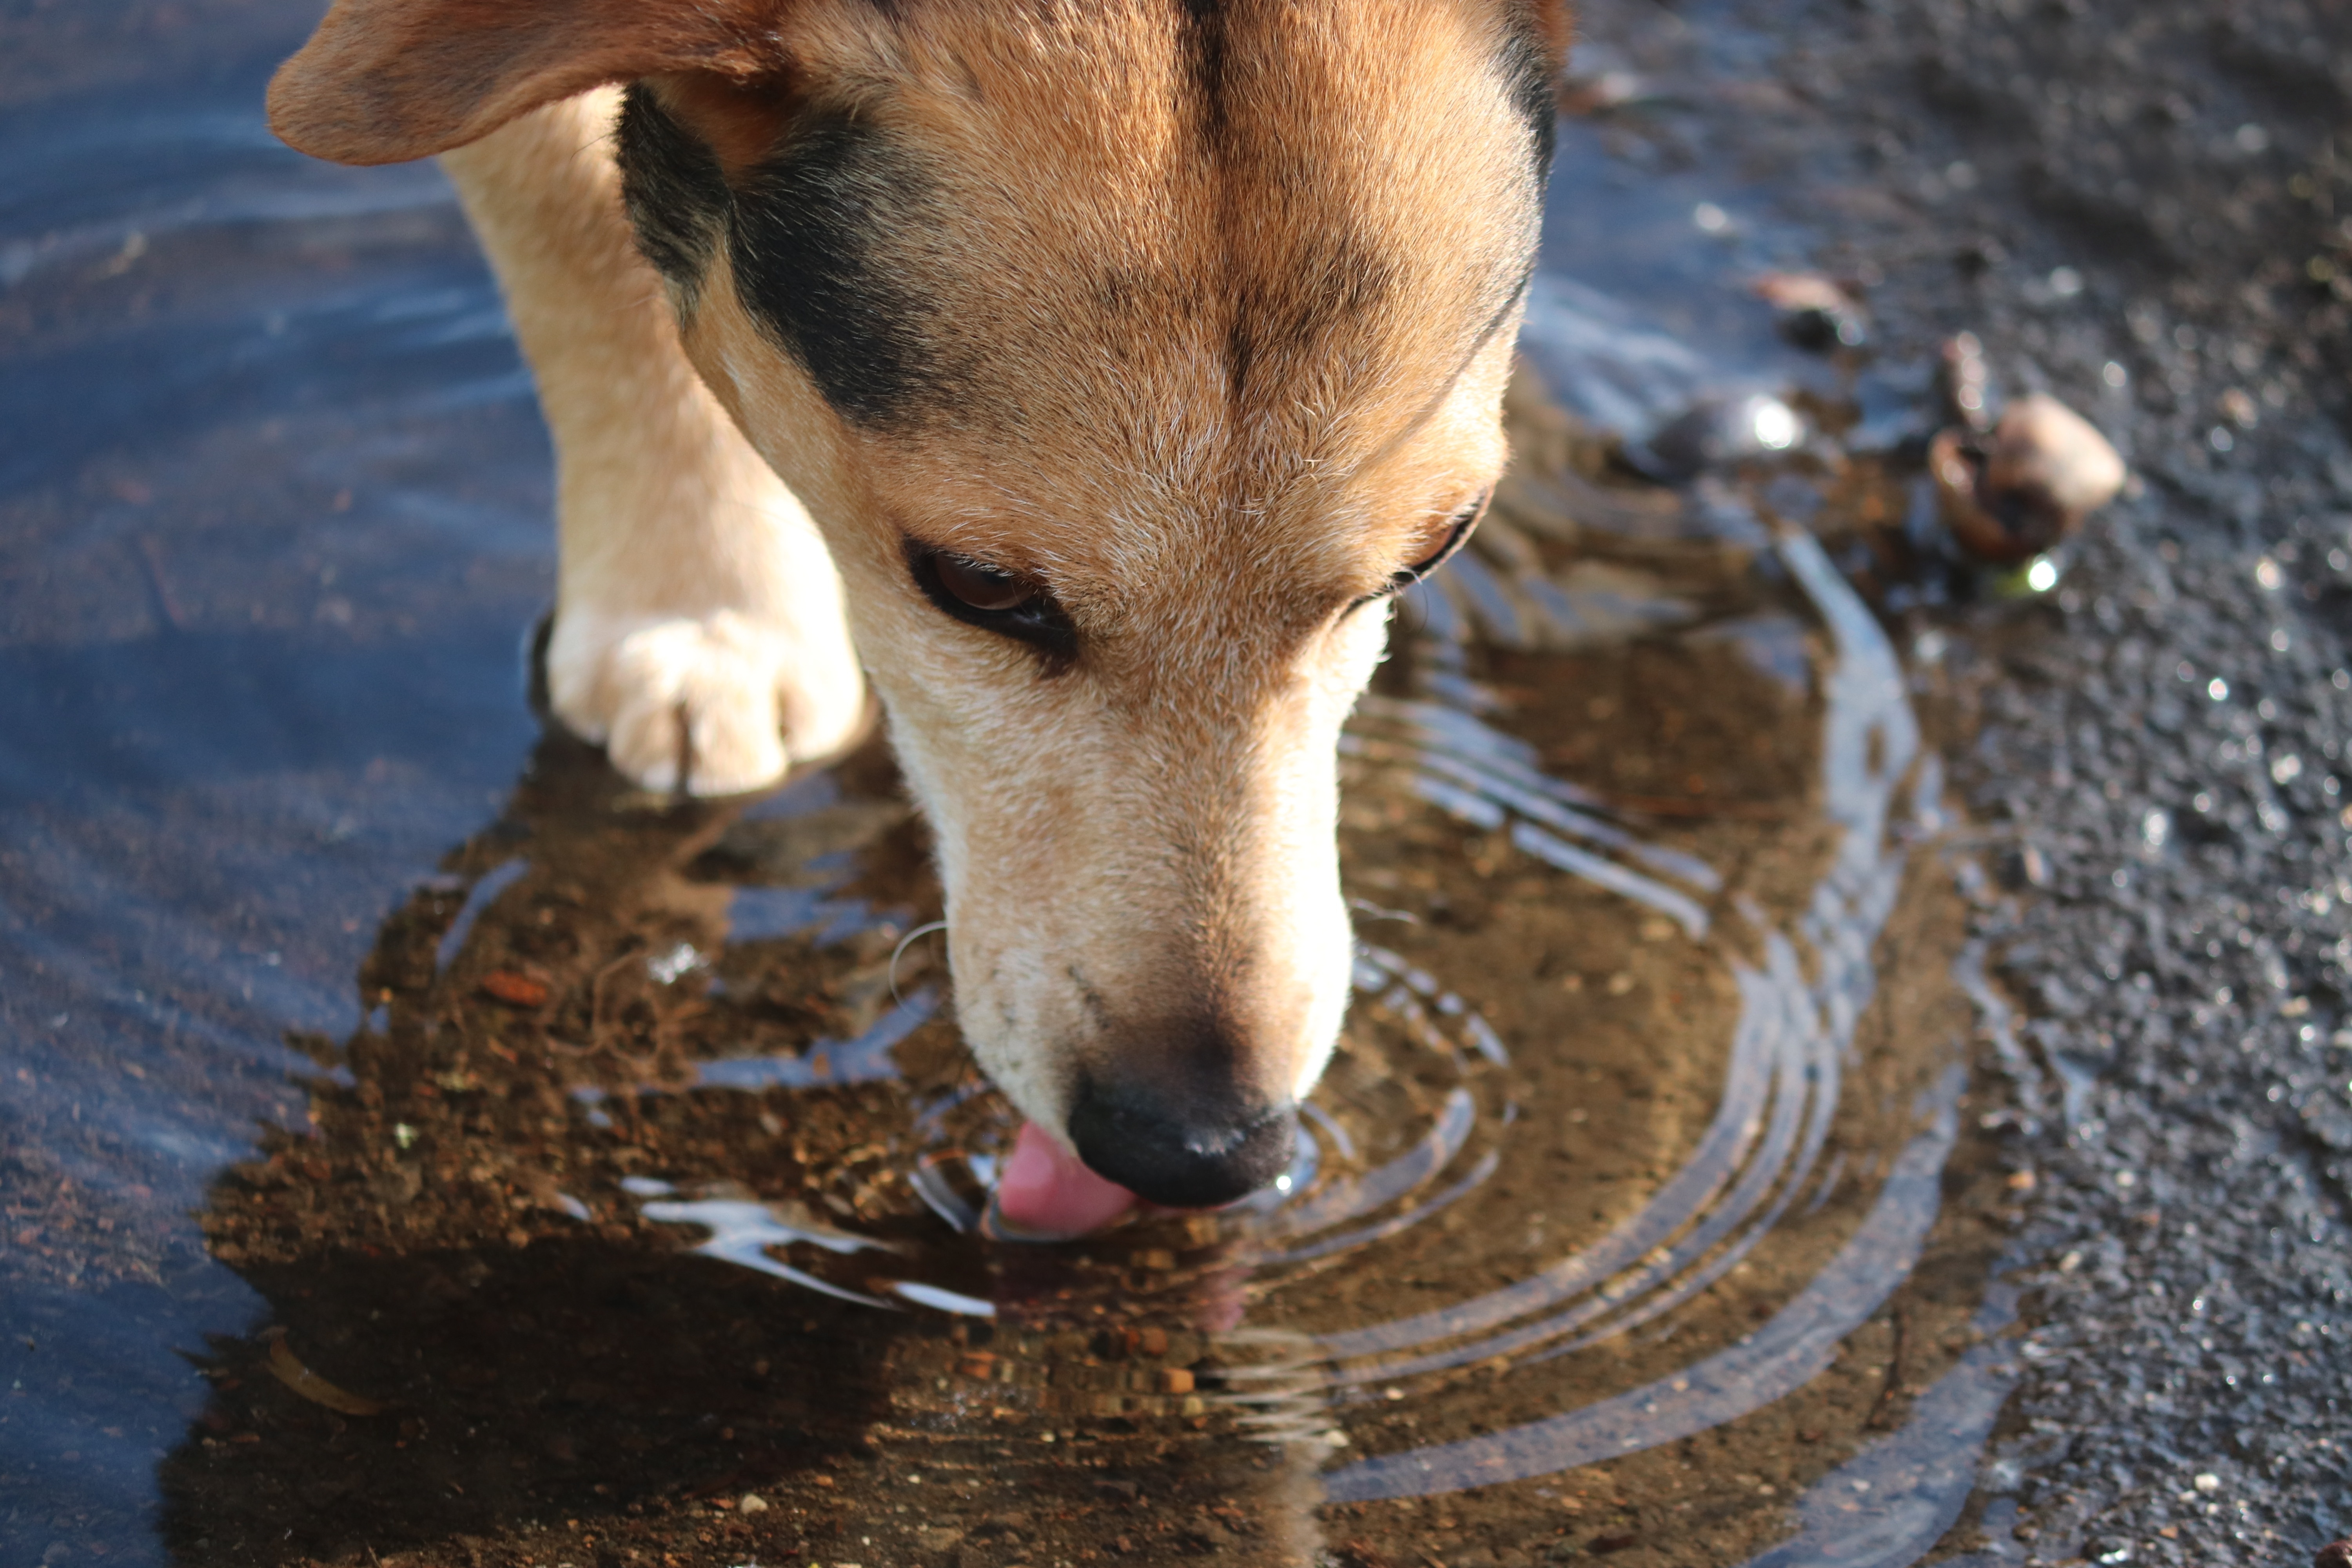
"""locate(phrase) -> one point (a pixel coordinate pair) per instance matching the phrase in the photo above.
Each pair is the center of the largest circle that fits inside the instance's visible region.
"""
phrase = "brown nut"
(2042, 471)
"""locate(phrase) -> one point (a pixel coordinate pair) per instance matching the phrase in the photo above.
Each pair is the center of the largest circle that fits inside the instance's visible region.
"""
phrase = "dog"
(1089, 373)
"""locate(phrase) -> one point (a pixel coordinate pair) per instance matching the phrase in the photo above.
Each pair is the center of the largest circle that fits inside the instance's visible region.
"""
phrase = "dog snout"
(1181, 1150)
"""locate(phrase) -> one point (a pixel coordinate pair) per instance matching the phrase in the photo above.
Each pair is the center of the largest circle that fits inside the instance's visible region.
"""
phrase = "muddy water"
(419, 1147)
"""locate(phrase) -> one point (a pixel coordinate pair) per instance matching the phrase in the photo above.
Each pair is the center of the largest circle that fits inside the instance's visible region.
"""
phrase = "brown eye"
(1001, 602)
(982, 586)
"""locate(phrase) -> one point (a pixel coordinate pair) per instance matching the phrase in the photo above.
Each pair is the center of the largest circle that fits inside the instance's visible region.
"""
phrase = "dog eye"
(983, 587)
(1464, 522)
(1457, 532)
(1002, 602)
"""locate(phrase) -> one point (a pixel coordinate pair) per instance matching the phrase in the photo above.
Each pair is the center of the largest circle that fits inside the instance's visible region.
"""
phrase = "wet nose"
(1188, 1152)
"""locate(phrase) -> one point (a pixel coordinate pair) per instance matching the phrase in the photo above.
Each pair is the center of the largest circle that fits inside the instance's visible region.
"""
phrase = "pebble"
(2335, 1554)
(1966, 382)
(1816, 312)
(1601, 91)
(2031, 867)
(2009, 499)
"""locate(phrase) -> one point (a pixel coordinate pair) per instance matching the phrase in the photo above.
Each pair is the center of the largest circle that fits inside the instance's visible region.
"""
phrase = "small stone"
(2207, 1482)
(1816, 313)
(2335, 1554)
(2042, 471)
(1716, 432)
(1966, 382)
(1601, 91)
(751, 1502)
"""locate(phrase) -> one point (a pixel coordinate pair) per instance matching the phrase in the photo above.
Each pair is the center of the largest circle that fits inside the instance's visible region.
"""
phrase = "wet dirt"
(404, 1162)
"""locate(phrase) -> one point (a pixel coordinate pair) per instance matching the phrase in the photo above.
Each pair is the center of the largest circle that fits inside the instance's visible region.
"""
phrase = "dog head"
(1130, 354)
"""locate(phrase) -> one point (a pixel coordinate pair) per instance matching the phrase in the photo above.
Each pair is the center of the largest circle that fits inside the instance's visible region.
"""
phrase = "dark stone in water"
(1817, 314)
(1713, 434)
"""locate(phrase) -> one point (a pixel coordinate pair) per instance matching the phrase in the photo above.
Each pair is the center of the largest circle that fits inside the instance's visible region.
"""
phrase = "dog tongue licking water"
(1047, 1190)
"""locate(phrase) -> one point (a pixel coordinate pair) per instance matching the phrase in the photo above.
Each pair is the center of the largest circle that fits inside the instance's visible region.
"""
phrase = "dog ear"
(386, 81)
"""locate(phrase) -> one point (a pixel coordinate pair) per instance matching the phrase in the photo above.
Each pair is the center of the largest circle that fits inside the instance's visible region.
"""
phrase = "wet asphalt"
(2143, 208)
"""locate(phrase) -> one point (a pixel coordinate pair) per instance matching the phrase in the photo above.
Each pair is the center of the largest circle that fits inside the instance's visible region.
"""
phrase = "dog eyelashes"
(981, 587)
(1001, 602)
(1464, 522)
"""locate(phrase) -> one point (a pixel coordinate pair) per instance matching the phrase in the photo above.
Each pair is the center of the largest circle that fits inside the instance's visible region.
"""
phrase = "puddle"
(417, 1144)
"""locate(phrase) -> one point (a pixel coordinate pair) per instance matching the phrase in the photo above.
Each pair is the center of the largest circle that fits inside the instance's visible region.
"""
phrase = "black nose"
(1192, 1153)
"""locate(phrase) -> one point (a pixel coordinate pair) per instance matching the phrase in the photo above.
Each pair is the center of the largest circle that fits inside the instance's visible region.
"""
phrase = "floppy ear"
(385, 80)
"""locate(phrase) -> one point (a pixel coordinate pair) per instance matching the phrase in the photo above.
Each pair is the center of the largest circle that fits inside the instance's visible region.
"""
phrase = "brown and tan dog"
(1100, 365)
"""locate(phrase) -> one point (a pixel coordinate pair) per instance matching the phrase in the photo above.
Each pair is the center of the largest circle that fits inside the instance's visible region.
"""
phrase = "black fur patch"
(1527, 64)
(1279, 326)
(807, 240)
(671, 185)
(803, 232)
(1204, 40)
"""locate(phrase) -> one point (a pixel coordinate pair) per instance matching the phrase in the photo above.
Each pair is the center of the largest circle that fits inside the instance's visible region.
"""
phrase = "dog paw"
(712, 705)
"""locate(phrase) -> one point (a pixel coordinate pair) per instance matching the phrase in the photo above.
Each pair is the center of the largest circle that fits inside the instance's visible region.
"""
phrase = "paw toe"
(695, 708)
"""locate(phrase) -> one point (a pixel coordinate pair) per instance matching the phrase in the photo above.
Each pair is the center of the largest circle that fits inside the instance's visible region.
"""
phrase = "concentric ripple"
(1423, 1109)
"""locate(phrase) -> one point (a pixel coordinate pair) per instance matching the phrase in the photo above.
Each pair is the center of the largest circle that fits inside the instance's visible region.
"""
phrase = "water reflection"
(650, 1095)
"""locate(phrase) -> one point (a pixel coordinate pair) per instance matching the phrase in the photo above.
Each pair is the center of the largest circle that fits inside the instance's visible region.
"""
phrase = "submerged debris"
(2010, 499)
(516, 990)
(288, 1368)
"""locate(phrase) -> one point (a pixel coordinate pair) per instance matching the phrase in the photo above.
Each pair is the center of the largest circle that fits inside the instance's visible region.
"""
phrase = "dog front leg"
(699, 633)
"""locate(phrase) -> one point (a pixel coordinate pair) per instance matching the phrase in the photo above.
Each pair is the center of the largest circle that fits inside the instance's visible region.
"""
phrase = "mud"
(1849, 1057)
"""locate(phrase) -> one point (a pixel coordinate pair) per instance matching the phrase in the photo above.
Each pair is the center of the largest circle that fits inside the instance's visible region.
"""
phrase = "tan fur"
(1144, 841)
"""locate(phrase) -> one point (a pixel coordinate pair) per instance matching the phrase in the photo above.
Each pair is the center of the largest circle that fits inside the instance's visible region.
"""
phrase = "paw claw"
(691, 704)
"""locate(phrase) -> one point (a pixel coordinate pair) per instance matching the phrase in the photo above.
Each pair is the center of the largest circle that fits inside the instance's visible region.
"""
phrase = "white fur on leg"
(700, 632)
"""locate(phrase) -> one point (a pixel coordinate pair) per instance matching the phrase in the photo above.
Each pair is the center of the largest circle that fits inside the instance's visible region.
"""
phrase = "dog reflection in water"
(476, 1320)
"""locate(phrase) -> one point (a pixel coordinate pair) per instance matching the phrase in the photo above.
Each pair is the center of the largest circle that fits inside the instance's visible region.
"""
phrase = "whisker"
(903, 942)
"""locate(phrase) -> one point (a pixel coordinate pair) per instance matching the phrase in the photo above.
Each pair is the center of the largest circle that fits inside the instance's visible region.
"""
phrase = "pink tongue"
(1047, 1189)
